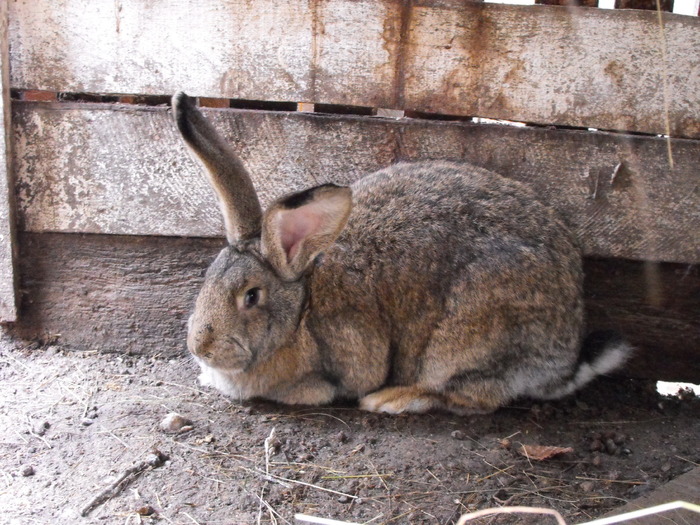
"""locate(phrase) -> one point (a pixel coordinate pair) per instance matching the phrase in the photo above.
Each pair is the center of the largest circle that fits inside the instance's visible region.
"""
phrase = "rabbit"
(424, 286)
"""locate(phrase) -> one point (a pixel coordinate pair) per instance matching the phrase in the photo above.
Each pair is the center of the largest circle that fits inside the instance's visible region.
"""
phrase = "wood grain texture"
(127, 293)
(685, 487)
(123, 170)
(8, 309)
(112, 293)
(656, 307)
(666, 5)
(540, 64)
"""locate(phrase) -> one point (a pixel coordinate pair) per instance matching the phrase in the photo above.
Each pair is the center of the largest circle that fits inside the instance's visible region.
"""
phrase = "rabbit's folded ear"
(298, 227)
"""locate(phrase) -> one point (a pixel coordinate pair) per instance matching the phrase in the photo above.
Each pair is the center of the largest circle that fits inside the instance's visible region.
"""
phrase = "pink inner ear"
(295, 226)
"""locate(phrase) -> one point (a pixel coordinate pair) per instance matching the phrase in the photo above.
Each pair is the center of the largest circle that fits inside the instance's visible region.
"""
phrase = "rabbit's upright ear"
(298, 227)
(225, 172)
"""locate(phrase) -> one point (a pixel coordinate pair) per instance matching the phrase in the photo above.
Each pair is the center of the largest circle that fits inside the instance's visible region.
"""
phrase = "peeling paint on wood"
(95, 168)
(540, 64)
(127, 293)
(8, 308)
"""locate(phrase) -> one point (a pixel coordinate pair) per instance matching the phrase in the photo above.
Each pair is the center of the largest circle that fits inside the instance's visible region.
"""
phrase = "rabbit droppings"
(423, 286)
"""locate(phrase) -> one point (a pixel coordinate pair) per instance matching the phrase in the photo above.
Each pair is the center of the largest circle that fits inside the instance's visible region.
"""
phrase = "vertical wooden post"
(8, 303)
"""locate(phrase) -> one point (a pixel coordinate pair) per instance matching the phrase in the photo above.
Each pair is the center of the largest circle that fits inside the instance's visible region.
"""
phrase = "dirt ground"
(80, 432)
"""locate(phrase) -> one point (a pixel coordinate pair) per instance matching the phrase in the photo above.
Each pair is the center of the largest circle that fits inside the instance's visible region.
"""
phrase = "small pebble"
(468, 445)
(587, 486)
(610, 446)
(156, 458)
(41, 428)
(86, 421)
(457, 434)
(146, 511)
(344, 499)
(174, 423)
(28, 471)
(596, 445)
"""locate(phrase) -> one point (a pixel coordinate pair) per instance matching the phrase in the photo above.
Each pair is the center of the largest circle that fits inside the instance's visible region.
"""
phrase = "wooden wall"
(114, 216)
(8, 275)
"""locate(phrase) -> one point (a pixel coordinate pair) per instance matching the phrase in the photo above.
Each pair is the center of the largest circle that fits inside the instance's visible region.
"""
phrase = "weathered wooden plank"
(685, 487)
(648, 303)
(126, 293)
(539, 64)
(121, 170)
(554, 65)
(666, 5)
(267, 50)
(139, 297)
(8, 308)
(569, 3)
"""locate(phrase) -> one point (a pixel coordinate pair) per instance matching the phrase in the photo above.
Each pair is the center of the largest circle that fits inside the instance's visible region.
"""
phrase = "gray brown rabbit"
(422, 286)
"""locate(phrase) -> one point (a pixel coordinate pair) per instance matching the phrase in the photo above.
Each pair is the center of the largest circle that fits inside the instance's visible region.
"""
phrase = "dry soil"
(80, 433)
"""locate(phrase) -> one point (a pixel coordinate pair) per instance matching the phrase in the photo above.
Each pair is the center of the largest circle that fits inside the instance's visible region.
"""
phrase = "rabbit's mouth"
(225, 353)
(224, 361)
(228, 354)
(223, 380)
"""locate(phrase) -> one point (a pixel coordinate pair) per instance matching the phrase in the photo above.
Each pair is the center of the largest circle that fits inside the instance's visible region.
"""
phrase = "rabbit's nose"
(199, 341)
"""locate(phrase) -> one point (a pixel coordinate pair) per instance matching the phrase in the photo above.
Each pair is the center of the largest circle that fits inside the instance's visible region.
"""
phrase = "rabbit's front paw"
(311, 391)
(395, 400)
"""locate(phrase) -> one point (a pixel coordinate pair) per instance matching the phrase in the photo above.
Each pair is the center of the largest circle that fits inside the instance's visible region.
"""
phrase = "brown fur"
(432, 285)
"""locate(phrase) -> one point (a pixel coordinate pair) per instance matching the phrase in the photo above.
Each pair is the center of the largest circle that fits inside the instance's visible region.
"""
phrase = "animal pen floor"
(72, 424)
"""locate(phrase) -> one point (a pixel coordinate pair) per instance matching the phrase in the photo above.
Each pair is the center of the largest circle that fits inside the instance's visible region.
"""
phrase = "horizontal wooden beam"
(582, 67)
(99, 168)
(126, 293)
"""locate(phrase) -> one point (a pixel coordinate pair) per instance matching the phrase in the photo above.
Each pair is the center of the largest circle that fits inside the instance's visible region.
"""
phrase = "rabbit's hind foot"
(400, 399)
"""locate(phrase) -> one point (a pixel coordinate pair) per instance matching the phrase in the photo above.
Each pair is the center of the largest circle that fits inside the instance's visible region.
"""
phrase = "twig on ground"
(303, 415)
(154, 460)
(498, 471)
(320, 521)
(285, 482)
(42, 438)
(191, 518)
(688, 460)
(269, 449)
(626, 482)
(273, 513)
(358, 476)
(105, 430)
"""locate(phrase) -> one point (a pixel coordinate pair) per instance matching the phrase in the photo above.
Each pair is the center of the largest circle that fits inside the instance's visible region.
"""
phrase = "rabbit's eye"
(252, 297)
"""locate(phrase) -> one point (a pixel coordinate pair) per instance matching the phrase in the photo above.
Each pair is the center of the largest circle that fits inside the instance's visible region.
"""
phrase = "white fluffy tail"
(601, 353)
